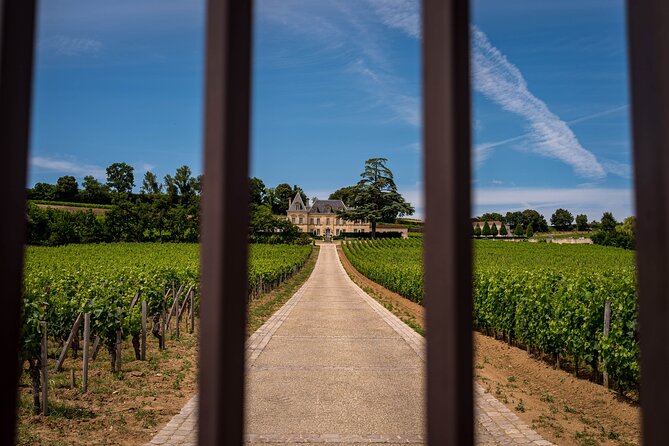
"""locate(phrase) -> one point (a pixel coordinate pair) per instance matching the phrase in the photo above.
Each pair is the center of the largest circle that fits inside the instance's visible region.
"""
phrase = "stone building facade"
(321, 217)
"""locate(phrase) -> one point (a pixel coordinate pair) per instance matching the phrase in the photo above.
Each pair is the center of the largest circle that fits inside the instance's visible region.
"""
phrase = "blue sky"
(338, 82)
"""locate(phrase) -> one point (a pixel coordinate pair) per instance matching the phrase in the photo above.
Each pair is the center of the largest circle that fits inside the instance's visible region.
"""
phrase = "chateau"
(321, 217)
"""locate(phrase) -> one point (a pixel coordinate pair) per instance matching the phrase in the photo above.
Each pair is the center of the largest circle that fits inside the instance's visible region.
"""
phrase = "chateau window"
(311, 221)
(301, 220)
(293, 220)
(318, 221)
(318, 232)
(327, 221)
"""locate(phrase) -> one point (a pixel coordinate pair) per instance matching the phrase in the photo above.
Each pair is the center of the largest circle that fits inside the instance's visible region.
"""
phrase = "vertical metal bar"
(16, 58)
(649, 69)
(225, 221)
(448, 289)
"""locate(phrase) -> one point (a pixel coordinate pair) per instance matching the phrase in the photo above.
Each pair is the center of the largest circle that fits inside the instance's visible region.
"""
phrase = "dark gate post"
(225, 206)
(648, 30)
(448, 289)
(17, 19)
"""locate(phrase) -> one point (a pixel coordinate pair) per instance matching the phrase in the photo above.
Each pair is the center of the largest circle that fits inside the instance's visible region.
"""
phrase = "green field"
(549, 298)
(60, 282)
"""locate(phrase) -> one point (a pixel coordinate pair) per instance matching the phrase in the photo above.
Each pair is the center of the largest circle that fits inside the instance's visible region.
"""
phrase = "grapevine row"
(62, 282)
(549, 298)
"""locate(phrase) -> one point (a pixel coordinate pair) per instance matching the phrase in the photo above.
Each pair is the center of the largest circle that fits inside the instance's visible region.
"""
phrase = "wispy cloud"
(146, 167)
(503, 83)
(350, 35)
(71, 46)
(590, 201)
(66, 166)
(622, 170)
(399, 14)
(483, 151)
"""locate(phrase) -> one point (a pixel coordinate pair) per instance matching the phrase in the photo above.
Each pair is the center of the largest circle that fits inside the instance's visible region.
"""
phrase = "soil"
(96, 211)
(124, 409)
(129, 409)
(562, 408)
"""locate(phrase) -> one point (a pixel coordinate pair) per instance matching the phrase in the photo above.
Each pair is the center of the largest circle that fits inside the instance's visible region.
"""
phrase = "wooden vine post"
(74, 332)
(607, 327)
(144, 315)
(119, 340)
(87, 341)
(45, 372)
(162, 324)
(192, 312)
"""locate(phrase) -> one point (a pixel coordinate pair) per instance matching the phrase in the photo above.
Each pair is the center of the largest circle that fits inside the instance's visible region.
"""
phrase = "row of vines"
(63, 282)
(549, 298)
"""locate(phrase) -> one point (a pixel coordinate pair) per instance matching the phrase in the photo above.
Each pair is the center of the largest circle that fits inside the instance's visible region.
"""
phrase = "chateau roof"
(327, 207)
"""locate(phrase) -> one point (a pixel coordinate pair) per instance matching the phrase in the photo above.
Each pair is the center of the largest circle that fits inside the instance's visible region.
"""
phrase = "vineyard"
(106, 294)
(551, 299)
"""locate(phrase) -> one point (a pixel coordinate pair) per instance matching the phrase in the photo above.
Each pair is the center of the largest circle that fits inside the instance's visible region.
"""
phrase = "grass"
(262, 308)
(146, 417)
(60, 410)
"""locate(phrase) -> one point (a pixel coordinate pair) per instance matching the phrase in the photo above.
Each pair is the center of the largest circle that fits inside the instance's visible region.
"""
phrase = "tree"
(502, 231)
(376, 198)
(608, 222)
(534, 218)
(150, 184)
(629, 226)
(184, 182)
(562, 219)
(67, 188)
(581, 222)
(486, 230)
(171, 188)
(345, 194)
(477, 231)
(257, 191)
(42, 191)
(281, 195)
(530, 231)
(491, 216)
(94, 191)
(121, 178)
(493, 230)
(514, 219)
(519, 231)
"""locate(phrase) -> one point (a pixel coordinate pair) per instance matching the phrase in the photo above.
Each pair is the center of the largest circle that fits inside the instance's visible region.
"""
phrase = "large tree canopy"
(345, 194)
(121, 177)
(279, 197)
(67, 188)
(562, 219)
(376, 198)
(150, 184)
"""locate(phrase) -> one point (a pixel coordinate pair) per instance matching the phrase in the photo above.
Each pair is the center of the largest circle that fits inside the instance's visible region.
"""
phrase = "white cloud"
(623, 170)
(146, 167)
(590, 201)
(503, 83)
(71, 46)
(399, 14)
(66, 166)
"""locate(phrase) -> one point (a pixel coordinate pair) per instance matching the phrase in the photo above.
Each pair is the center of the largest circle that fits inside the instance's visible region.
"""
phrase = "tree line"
(166, 211)
(608, 231)
(162, 211)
